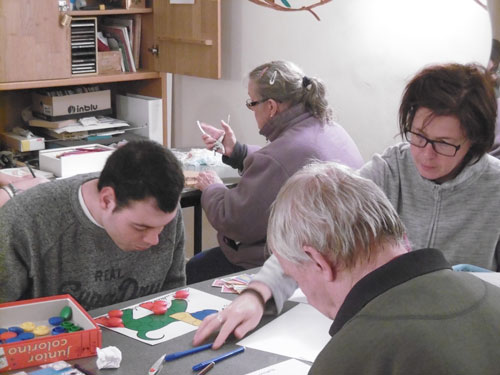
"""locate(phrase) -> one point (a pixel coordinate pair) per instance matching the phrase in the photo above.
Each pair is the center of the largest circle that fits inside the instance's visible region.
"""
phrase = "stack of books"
(123, 34)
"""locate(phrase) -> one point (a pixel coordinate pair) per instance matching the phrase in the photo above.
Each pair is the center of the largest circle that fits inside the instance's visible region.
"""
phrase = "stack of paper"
(82, 128)
(234, 284)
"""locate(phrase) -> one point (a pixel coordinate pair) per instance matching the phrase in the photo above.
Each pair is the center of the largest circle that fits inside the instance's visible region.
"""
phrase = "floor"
(209, 238)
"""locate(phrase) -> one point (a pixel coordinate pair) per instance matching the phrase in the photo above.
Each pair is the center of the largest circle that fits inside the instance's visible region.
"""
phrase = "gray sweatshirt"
(460, 217)
(48, 246)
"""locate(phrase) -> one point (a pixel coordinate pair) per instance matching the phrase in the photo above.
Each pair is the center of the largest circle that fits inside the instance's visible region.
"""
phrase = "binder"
(144, 112)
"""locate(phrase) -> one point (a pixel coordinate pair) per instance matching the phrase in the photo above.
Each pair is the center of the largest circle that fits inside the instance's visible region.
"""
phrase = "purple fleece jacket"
(240, 214)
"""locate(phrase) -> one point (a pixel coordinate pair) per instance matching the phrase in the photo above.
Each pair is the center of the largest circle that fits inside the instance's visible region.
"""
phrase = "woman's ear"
(322, 264)
(273, 107)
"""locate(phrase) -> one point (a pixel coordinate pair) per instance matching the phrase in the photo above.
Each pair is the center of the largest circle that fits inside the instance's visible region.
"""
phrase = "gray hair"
(331, 208)
(285, 82)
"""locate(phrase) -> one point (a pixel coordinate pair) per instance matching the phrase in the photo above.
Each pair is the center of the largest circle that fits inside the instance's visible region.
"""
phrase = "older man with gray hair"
(395, 311)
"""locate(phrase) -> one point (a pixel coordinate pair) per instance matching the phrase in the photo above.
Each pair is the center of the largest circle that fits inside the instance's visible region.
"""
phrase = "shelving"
(83, 45)
(38, 50)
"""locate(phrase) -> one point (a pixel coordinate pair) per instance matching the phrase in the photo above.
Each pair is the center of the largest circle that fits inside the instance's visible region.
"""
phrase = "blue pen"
(171, 357)
(204, 364)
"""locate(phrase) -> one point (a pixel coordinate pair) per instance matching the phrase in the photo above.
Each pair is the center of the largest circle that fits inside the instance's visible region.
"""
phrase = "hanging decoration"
(286, 6)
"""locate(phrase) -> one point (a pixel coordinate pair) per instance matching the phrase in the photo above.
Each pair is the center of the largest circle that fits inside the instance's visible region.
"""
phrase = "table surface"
(138, 357)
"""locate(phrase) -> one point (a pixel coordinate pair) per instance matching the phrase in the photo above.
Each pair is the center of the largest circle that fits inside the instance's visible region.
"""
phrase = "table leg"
(197, 228)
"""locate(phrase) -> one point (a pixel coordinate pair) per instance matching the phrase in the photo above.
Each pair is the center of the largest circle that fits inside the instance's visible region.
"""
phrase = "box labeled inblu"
(79, 339)
(73, 106)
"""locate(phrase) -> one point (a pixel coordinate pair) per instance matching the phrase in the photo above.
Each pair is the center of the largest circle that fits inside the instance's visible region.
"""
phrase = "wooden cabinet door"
(188, 37)
(33, 44)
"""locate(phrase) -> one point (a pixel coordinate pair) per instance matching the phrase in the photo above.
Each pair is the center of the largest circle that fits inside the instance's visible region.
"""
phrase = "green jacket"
(414, 315)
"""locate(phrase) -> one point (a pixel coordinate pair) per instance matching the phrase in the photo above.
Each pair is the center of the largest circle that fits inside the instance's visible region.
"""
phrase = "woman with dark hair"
(292, 112)
(442, 182)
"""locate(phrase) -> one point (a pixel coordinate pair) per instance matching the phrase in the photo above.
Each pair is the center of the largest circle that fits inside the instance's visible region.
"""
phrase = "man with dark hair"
(102, 239)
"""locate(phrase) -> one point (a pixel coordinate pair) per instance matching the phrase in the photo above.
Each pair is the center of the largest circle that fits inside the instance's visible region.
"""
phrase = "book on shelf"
(114, 46)
(133, 23)
(120, 34)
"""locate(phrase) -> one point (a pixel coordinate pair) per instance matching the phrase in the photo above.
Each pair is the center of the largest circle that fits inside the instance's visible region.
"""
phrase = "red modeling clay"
(182, 294)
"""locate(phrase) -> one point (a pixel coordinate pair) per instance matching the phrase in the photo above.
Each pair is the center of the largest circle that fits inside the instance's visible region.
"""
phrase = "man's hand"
(240, 317)
(207, 178)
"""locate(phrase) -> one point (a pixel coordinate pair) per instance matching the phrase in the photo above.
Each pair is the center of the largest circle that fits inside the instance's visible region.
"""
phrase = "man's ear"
(323, 265)
(107, 198)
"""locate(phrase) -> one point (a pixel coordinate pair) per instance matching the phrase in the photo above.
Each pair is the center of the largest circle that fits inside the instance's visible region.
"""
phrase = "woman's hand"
(240, 317)
(207, 178)
(212, 134)
(27, 182)
(20, 184)
(6, 179)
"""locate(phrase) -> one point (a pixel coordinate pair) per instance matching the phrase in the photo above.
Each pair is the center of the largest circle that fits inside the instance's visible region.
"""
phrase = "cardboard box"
(70, 161)
(46, 349)
(109, 62)
(55, 108)
(127, 4)
(23, 144)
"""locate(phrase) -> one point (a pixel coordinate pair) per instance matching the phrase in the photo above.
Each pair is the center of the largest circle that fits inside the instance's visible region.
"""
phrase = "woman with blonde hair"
(293, 114)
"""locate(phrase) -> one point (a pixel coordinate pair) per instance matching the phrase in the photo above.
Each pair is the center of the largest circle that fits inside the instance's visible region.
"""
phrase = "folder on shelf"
(133, 23)
(38, 122)
(120, 34)
(144, 112)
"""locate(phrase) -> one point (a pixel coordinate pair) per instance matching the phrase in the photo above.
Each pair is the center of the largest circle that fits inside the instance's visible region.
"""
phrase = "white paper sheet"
(290, 367)
(140, 322)
(298, 296)
(491, 277)
(92, 123)
(299, 333)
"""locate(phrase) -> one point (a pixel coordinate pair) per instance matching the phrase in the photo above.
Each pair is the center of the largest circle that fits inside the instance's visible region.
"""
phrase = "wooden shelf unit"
(38, 53)
(109, 12)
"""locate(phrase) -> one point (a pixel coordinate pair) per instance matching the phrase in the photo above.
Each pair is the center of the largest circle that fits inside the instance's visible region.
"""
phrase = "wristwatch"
(11, 190)
(7, 189)
(14, 190)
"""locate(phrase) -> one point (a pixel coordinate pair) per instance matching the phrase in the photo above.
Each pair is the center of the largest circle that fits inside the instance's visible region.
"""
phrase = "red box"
(47, 349)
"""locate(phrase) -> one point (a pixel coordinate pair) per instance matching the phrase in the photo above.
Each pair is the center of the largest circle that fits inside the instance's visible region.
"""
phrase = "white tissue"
(109, 357)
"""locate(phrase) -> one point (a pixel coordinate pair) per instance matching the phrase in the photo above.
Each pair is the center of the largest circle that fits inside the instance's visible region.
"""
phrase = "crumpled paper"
(199, 157)
(109, 357)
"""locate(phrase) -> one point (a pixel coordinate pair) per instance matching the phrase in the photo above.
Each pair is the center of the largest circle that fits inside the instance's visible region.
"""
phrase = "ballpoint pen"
(30, 169)
(158, 365)
(207, 368)
(218, 142)
(204, 364)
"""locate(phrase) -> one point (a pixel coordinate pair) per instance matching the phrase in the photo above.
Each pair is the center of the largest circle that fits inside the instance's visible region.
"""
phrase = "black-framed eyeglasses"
(441, 147)
(250, 104)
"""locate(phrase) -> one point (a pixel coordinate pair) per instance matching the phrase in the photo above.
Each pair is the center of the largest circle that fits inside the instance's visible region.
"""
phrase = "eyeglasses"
(441, 147)
(250, 104)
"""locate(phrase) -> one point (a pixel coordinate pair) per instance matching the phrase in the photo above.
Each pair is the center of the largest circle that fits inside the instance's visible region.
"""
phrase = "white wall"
(364, 50)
